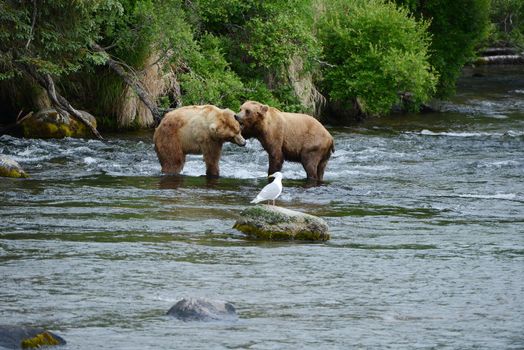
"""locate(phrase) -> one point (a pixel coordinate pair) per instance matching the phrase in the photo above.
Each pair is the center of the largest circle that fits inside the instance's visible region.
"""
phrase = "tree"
(42, 41)
(507, 17)
(457, 28)
(266, 43)
(376, 56)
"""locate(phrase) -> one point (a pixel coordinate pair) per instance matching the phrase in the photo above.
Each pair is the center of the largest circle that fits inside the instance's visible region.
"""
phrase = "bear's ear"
(264, 109)
(213, 128)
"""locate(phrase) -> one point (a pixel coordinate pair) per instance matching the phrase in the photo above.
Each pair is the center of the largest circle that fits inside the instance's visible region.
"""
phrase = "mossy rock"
(21, 337)
(10, 168)
(48, 124)
(273, 223)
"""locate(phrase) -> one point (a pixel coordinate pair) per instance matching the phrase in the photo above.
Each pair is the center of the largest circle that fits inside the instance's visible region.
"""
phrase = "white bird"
(270, 191)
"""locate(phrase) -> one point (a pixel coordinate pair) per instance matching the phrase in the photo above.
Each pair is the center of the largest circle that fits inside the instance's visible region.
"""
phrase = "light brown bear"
(195, 130)
(287, 136)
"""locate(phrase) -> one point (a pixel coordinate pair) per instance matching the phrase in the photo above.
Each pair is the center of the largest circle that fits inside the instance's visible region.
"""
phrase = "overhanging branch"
(133, 82)
(60, 103)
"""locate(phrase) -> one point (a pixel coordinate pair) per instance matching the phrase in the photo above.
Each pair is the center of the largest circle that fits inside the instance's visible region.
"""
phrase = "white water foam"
(426, 132)
(90, 160)
(507, 196)
(453, 134)
(500, 164)
(514, 133)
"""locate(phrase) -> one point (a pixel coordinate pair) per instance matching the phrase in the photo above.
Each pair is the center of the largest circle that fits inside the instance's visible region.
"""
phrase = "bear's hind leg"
(311, 161)
(171, 158)
(173, 168)
(322, 165)
(310, 166)
(320, 169)
(323, 162)
(173, 165)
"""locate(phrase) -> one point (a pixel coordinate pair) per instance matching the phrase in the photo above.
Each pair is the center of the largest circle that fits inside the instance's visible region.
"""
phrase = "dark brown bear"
(287, 136)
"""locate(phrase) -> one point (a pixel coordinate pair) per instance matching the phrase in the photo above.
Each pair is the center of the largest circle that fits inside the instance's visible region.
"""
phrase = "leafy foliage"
(259, 39)
(375, 53)
(227, 51)
(209, 78)
(457, 27)
(508, 22)
(268, 32)
(51, 36)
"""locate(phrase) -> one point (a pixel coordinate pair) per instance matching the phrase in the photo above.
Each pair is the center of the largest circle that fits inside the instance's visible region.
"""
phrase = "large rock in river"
(10, 167)
(21, 337)
(201, 309)
(270, 222)
(48, 123)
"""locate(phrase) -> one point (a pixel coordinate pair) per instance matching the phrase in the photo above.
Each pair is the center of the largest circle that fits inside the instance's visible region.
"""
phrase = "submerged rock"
(48, 123)
(10, 167)
(269, 222)
(21, 337)
(201, 309)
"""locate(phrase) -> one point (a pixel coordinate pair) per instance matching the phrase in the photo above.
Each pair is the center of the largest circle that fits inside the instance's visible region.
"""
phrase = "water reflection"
(167, 182)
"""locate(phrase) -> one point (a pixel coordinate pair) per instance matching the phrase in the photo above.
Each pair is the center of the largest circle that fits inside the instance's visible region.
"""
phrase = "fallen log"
(501, 59)
(497, 51)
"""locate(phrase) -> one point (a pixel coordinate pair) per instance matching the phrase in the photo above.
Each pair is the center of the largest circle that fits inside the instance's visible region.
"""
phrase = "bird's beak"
(270, 176)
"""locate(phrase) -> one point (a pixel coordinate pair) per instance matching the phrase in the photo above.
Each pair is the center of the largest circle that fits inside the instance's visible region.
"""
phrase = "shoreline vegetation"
(127, 62)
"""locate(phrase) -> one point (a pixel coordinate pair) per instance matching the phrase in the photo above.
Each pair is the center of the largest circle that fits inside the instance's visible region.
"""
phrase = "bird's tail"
(256, 200)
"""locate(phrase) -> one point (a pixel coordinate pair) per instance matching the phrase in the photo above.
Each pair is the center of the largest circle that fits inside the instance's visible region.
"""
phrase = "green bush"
(208, 78)
(260, 39)
(457, 28)
(256, 90)
(374, 52)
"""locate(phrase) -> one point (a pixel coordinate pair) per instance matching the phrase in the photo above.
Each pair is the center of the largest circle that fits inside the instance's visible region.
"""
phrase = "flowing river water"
(426, 214)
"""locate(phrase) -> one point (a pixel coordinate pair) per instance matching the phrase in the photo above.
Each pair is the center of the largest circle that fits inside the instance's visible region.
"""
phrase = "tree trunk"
(134, 83)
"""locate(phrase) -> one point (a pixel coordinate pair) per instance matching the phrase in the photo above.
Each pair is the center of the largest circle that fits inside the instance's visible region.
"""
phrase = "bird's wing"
(271, 191)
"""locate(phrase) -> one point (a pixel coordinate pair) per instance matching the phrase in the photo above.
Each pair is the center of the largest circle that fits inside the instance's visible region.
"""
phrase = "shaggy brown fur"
(287, 136)
(195, 130)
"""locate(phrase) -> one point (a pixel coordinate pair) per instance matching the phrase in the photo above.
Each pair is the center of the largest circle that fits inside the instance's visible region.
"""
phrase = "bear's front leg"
(212, 157)
(276, 159)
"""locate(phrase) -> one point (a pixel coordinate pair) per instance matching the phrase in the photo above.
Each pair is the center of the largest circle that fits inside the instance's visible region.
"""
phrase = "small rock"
(201, 309)
(21, 337)
(48, 123)
(269, 222)
(10, 168)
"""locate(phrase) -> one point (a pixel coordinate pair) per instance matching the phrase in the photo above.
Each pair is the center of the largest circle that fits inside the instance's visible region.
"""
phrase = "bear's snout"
(239, 140)
(238, 118)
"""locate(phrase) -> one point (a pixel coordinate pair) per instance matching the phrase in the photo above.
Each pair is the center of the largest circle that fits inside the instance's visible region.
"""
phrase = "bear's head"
(250, 117)
(226, 128)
